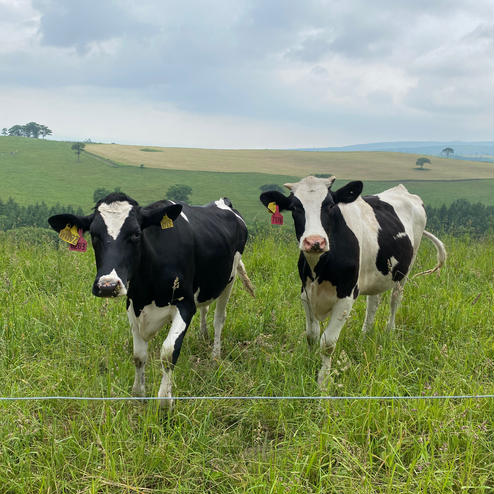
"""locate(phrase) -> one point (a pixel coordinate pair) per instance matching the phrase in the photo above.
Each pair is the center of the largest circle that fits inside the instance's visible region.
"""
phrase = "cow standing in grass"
(168, 259)
(351, 245)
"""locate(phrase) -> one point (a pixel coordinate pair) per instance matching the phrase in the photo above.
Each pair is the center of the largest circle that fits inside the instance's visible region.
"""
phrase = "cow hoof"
(166, 406)
(324, 376)
(323, 380)
(312, 341)
(138, 392)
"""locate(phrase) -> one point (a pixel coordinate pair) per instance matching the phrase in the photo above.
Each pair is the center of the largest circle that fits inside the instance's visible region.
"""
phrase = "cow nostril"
(108, 289)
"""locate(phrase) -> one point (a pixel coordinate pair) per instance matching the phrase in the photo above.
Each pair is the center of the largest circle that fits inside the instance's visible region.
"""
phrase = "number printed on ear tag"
(166, 222)
(69, 234)
(272, 207)
(277, 217)
(81, 245)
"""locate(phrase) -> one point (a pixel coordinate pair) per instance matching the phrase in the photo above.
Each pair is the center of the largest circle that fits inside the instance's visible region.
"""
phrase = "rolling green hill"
(33, 170)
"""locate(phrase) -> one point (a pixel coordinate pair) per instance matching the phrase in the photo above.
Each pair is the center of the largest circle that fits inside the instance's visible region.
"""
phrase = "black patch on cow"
(116, 197)
(392, 240)
(298, 215)
(340, 265)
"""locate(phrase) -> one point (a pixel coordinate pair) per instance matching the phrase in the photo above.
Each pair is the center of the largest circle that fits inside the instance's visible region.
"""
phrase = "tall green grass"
(57, 339)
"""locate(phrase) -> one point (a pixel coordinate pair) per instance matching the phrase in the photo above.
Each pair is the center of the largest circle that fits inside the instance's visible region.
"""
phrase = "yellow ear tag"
(166, 222)
(272, 207)
(69, 234)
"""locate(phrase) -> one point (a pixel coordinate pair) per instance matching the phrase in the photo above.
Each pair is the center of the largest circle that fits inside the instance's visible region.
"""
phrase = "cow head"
(116, 226)
(311, 202)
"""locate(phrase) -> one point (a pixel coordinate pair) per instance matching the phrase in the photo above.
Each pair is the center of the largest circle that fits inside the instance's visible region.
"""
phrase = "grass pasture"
(57, 339)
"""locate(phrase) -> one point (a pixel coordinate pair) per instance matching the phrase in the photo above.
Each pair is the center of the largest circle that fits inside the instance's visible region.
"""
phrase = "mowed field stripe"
(362, 165)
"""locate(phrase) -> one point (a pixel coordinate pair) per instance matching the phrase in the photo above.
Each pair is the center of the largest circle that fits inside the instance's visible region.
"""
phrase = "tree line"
(31, 129)
(461, 217)
(14, 215)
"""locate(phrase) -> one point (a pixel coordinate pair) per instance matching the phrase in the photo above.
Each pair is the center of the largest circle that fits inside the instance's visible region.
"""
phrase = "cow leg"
(396, 296)
(170, 350)
(204, 328)
(140, 359)
(339, 315)
(219, 318)
(312, 327)
(140, 354)
(370, 311)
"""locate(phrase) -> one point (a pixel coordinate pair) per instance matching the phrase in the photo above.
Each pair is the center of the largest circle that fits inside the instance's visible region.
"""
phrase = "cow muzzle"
(109, 286)
(314, 244)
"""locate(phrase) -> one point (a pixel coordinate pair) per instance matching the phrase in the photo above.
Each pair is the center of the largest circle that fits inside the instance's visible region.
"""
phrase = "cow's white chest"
(321, 297)
(151, 319)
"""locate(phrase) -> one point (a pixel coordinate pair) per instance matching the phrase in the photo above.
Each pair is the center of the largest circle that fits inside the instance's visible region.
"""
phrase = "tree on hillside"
(101, 192)
(32, 129)
(266, 187)
(448, 151)
(5, 131)
(179, 192)
(45, 131)
(78, 148)
(16, 130)
(422, 161)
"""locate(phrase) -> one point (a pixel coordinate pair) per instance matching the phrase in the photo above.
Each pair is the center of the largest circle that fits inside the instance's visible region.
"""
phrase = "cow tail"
(245, 278)
(441, 254)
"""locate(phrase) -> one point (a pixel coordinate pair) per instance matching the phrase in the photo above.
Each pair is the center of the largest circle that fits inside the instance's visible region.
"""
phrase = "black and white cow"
(164, 272)
(351, 245)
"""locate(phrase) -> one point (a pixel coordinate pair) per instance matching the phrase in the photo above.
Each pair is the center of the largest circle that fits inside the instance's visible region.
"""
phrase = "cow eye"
(135, 236)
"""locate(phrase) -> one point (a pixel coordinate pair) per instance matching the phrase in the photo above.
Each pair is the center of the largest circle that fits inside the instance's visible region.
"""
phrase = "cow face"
(116, 231)
(311, 202)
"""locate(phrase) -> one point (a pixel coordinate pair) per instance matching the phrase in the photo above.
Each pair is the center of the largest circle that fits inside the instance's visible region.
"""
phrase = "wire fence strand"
(244, 398)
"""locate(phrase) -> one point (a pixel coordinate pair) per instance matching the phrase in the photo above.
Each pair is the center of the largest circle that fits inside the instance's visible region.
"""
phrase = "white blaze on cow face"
(312, 192)
(114, 216)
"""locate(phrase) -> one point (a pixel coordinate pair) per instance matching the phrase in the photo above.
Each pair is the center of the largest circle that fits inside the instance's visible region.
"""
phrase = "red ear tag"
(277, 217)
(81, 245)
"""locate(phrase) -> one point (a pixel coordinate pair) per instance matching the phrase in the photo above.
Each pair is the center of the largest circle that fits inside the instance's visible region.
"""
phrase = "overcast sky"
(249, 73)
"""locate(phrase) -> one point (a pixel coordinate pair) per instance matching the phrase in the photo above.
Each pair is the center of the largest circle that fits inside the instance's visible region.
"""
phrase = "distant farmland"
(363, 165)
(33, 170)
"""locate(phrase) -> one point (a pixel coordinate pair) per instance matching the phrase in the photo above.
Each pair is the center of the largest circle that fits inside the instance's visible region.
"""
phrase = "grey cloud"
(225, 57)
(78, 23)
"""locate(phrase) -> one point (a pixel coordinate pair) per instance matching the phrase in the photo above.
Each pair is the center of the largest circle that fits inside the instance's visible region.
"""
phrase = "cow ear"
(154, 215)
(330, 181)
(60, 221)
(277, 197)
(349, 192)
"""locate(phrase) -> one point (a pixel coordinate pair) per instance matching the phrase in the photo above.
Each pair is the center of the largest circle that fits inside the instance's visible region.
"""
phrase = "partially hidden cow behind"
(351, 245)
(166, 269)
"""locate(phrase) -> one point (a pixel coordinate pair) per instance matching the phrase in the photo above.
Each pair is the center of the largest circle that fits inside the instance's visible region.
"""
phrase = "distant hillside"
(475, 151)
(356, 165)
(35, 170)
